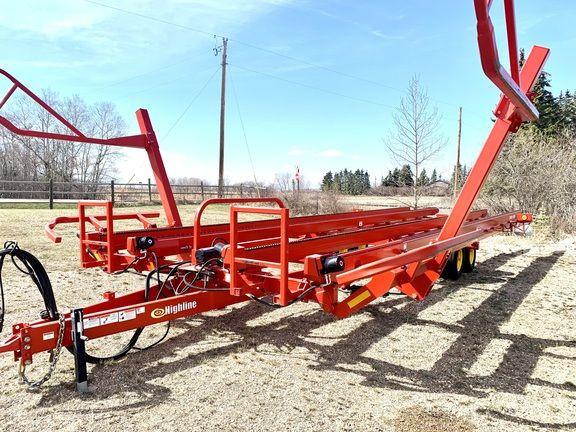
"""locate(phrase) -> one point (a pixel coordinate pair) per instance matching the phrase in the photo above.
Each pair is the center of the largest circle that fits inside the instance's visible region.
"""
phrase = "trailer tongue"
(341, 261)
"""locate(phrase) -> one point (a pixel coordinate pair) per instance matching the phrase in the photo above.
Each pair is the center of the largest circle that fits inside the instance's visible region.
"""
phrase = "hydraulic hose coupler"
(208, 253)
(332, 264)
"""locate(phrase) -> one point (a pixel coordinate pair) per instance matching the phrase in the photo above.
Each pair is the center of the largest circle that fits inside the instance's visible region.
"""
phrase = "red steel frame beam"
(301, 248)
(146, 140)
(142, 313)
(507, 84)
(174, 241)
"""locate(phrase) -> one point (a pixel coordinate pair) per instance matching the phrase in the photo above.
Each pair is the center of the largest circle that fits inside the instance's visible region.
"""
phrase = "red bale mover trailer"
(341, 261)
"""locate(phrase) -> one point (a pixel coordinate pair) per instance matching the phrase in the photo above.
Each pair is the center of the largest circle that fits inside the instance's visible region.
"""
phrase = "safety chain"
(54, 356)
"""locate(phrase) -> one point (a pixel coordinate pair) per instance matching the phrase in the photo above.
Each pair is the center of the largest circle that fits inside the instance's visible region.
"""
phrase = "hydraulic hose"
(28, 264)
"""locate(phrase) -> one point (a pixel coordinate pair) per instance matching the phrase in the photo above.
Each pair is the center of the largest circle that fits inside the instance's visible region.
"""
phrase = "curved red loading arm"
(508, 83)
(514, 108)
(415, 272)
(515, 97)
(146, 140)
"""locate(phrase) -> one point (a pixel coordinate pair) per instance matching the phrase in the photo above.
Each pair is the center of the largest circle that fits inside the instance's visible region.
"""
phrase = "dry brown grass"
(372, 202)
(494, 351)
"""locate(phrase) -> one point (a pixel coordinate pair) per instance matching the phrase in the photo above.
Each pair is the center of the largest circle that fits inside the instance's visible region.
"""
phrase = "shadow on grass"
(448, 375)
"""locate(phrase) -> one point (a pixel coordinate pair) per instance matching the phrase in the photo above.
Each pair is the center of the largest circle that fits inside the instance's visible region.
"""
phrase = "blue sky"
(314, 82)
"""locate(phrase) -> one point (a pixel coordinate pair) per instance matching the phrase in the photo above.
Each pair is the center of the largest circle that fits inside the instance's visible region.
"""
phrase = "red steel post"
(284, 255)
(162, 181)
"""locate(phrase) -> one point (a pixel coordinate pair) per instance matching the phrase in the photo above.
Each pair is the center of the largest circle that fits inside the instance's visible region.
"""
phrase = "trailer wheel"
(453, 266)
(469, 260)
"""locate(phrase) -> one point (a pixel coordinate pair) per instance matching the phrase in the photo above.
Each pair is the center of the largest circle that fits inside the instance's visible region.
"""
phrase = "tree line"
(357, 182)
(404, 177)
(37, 159)
(346, 182)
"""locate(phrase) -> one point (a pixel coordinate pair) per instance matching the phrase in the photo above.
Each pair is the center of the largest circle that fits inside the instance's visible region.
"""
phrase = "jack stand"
(79, 339)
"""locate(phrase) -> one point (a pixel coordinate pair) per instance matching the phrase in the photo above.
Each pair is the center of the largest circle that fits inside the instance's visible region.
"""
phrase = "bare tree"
(415, 137)
(27, 158)
(536, 172)
(284, 182)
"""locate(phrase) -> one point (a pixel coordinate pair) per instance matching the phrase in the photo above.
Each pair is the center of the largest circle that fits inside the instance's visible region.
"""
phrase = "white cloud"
(65, 31)
(385, 36)
(50, 19)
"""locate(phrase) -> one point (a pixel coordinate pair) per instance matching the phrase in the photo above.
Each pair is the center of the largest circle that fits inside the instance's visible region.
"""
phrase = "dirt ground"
(494, 351)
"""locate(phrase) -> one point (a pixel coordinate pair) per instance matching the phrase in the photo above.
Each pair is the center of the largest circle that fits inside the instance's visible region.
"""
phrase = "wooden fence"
(120, 193)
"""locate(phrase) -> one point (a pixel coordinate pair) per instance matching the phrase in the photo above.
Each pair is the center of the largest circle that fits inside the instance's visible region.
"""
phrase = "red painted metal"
(162, 180)
(146, 140)
(282, 257)
(51, 233)
(212, 201)
(491, 62)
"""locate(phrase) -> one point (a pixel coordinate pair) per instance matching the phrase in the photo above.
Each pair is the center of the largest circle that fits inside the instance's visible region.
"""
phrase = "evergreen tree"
(423, 179)
(395, 180)
(550, 120)
(547, 105)
(462, 175)
(433, 177)
(406, 178)
(349, 182)
(327, 181)
(338, 182)
(387, 181)
(567, 104)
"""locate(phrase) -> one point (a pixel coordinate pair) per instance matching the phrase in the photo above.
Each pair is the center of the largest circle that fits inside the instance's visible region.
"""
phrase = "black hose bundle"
(29, 265)
(131, 344)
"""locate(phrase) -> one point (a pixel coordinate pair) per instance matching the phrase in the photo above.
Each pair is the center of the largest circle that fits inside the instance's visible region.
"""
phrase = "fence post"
(51, 194)
(202, 189)
(112, 191)
(149, 190)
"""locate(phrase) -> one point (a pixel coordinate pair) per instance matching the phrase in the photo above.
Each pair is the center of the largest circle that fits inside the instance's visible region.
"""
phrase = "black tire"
(469, 260)
(453, 267)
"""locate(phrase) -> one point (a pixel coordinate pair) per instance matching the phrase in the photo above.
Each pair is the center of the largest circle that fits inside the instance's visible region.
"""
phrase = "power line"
(155, 86)
(247, 44)
(190, 104)
(151, 71)
(269, 51)
(312, 87)
(244, 132)
(196, 96)
(317, 66)
(148, 17)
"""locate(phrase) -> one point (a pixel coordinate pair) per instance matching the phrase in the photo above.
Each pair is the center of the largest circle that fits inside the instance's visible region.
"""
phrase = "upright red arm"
(508, 84)
(515, 97)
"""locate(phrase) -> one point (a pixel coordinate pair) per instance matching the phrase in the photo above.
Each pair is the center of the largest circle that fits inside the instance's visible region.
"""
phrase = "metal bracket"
(79, 344)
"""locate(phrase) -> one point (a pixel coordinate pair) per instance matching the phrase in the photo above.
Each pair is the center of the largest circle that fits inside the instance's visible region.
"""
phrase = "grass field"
(493, 351)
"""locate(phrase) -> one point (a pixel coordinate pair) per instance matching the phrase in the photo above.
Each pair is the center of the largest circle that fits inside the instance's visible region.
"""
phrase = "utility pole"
(457, 167)
(297, 177)
(222, 115)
